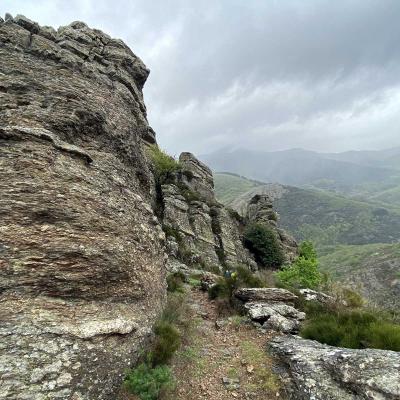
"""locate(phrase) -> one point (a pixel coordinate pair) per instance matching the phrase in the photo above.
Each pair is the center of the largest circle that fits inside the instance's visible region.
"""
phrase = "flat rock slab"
(321, 372)
(265, 294)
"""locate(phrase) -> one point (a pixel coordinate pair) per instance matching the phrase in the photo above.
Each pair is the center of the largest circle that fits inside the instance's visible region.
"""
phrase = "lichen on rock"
(82, 274)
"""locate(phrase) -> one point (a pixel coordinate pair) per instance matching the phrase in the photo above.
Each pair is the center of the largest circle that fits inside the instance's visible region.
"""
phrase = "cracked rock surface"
(321, 372)
(81, 253)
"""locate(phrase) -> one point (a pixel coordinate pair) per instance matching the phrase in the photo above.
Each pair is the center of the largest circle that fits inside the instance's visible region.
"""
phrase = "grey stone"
(82, 266)
(313, 295)
(275, 316)
(8, 17)
(317, 371)
(268, 295)
(26, 23)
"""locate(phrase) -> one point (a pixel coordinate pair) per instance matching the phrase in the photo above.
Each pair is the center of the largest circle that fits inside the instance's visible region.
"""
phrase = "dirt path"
(222, 362)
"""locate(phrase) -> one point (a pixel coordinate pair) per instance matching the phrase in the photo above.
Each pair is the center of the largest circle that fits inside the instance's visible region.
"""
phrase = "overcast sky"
(262, 74)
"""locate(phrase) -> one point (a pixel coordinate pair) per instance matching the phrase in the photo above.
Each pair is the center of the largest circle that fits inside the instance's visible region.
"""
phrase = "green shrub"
(351, 329)
(164, 165)
(220, 252)
(262, 242)
(245, 278)
(352, 298)
(384, 335)
(240, 277)
(148, 382)
(303, 272)
(175, 282)
(174, 309)
(220, 289)
(188, 193)
(166, 343)
(307, 250)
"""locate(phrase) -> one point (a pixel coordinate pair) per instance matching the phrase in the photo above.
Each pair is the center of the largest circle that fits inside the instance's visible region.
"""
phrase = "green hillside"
(325, 218)
(372, 269)
(229, 187)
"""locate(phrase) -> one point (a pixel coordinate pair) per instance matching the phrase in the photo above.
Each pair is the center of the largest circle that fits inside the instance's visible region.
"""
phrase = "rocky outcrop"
(81, 252)
(259, 210)
(315, 296)
(317, 371)
(209, 235)
(275, 316)
(271, 308)
(270, 295)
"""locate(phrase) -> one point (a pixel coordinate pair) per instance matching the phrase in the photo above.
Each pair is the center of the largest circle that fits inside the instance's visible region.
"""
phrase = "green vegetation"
(354, 329)
(239, 278)
(303, 272)
(265, 379)
(262, 242)
(166, 343)
(148, 382)
(172, 232)
(175, 282)
(153, 376)
(371, 269)
(164, 165)
(187, 193)
(322, 216)
(228, 187)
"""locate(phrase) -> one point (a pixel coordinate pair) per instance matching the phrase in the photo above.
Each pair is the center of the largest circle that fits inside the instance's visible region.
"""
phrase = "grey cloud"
(319, 74)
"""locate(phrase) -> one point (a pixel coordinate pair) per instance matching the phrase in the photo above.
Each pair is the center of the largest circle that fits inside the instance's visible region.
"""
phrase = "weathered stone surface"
(320, 372)
(269, 295)
(81, 253)
(275, 316)
(313, 295)
(197, 176)
(210, 236)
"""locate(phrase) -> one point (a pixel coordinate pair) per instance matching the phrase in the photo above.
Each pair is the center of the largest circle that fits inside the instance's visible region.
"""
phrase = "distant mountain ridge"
(327, 218)
(298, 167)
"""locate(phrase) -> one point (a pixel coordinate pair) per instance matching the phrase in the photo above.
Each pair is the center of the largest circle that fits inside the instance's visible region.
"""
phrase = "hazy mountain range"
(357, 173)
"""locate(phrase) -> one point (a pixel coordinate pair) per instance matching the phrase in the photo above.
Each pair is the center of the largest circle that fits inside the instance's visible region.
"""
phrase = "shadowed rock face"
(81, 252)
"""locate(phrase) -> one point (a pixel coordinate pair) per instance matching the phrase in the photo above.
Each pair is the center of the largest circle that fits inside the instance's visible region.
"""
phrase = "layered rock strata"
(81, 252)
(209, 235)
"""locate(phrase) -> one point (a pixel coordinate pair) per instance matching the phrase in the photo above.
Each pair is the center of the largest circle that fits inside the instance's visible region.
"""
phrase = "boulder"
(313, 295)
(275, 316)
(268, 295)
(320, 372)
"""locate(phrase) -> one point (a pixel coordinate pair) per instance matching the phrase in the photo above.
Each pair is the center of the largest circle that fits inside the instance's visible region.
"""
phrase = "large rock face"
(81, 252)
(320, 372)
(210, 234)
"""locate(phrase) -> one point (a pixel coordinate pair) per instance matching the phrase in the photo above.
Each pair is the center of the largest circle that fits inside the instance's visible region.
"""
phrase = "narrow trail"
(222, 358)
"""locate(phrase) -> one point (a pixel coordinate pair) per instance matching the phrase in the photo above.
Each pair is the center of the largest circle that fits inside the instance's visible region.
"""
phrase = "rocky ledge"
(321, 372)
